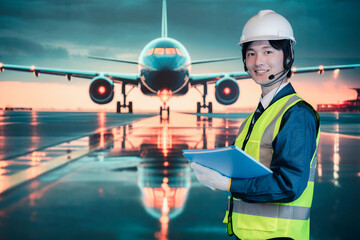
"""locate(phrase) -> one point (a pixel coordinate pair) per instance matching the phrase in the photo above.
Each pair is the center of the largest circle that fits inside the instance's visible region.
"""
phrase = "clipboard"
(229, 161)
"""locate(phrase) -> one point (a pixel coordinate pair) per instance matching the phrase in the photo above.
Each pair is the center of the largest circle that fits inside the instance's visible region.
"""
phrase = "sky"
(63, 33)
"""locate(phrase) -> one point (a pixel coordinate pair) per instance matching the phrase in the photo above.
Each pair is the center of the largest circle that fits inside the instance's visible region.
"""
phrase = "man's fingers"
(193, 165)
(199, 168)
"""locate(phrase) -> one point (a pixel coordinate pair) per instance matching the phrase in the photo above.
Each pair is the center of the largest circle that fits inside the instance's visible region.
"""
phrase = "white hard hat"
(267, 25)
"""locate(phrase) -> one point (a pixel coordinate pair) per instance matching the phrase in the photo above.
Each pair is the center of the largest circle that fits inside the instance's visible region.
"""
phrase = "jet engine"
(226, 91)
(101, 90)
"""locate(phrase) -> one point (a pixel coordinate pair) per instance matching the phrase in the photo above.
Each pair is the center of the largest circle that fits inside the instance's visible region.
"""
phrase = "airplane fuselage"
(164, 64)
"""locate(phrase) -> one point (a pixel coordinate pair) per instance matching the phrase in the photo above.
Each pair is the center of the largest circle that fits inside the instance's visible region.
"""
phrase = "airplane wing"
(196, 79)
(115, 60)
(321, 69)
(136, 62)
(214, 60)
(132, 79)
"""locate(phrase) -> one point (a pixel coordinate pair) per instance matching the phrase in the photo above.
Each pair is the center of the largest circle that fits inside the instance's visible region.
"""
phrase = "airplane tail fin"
(164, 21)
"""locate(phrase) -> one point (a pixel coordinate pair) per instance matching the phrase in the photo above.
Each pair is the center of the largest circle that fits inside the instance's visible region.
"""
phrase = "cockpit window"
(164, 51)
(159, 51)
(170, 51)
(150, 52)
(178, 51)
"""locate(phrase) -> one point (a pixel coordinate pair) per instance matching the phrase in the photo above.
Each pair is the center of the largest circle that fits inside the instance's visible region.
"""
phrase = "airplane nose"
(169, 79)
(166, 64)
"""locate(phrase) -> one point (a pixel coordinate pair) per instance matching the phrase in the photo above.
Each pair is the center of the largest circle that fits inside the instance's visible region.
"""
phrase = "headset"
(286, 70)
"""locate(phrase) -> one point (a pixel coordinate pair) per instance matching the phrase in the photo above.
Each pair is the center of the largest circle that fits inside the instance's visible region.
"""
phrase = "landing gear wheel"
(198, 106)
(130, 107)
(210, 107)
(118, 107)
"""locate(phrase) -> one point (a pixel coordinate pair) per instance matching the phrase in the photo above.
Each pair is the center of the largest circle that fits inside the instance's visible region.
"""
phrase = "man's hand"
(211, 178)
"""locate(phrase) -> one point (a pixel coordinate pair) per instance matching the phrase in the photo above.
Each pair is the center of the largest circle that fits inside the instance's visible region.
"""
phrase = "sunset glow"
(69, 96)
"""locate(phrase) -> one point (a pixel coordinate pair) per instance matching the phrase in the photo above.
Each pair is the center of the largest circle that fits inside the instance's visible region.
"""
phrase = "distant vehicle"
(164, 71)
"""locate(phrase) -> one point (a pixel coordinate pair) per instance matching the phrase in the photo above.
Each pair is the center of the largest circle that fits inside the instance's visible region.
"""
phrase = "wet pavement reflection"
(164, 175)
(137, 185)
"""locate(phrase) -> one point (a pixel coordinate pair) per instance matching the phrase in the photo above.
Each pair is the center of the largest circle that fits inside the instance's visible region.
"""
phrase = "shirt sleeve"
(293, 147)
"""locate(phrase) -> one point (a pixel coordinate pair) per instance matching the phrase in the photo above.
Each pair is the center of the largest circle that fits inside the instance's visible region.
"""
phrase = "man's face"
(262, 60)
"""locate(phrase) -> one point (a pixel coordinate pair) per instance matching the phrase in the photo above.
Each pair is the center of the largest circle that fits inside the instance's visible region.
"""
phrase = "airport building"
(347, 106)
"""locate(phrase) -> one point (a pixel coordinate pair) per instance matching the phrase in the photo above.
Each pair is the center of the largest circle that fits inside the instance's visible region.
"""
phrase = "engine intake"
(101, 90)
(227, 91)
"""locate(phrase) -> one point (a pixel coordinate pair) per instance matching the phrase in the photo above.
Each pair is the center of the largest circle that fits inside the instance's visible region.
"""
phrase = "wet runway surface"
(136, 185)
(24, 132)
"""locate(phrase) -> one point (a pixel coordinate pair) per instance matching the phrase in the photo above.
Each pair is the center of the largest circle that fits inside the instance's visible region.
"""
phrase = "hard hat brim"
(260, 38)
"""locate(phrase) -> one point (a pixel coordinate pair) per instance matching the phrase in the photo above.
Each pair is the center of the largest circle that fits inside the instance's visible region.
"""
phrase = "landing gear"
(167, 109)
(164, 96)
(118, 104)
(199, 106)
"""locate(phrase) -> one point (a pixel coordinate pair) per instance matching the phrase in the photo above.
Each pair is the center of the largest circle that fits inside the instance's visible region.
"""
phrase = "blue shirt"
(293, 147)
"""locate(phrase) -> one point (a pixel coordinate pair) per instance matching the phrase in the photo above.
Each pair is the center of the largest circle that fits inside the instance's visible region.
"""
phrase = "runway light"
(101, 90)
(166, 164)
(358, 174)
(321, 69)
(227, 91)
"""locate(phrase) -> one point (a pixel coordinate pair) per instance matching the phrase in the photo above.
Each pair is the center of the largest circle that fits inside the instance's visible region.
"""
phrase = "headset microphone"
(272, 76)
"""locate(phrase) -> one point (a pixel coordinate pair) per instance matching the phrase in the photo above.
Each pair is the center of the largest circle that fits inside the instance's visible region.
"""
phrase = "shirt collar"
(266, 100)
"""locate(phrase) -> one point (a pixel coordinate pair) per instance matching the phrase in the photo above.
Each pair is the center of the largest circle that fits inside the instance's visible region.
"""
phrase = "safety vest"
(270, 220)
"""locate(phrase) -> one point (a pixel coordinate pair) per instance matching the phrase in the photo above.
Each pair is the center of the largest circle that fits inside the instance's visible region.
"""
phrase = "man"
(282, 133)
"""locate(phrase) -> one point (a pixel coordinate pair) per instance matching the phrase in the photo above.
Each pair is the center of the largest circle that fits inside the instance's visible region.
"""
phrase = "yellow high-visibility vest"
(270, 220)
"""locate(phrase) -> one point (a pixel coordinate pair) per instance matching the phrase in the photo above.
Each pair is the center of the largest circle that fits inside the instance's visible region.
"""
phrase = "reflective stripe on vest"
(313, 166)
(268, 136)
(257, 220)
(271, 210)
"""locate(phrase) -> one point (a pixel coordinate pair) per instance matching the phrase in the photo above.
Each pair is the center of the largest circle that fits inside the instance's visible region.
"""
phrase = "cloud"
(26, 48)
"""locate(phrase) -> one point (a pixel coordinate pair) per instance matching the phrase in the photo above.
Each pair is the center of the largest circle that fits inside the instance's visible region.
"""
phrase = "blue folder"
(229, 161)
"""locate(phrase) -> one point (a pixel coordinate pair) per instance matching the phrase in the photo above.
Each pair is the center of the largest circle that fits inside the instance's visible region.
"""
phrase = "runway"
(124, 177)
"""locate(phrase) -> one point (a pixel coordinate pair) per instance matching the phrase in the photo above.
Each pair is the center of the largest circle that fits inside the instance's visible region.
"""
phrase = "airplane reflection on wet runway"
(163, 172)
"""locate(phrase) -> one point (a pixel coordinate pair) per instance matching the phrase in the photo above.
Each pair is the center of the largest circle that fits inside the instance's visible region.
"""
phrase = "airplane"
(164, 70)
